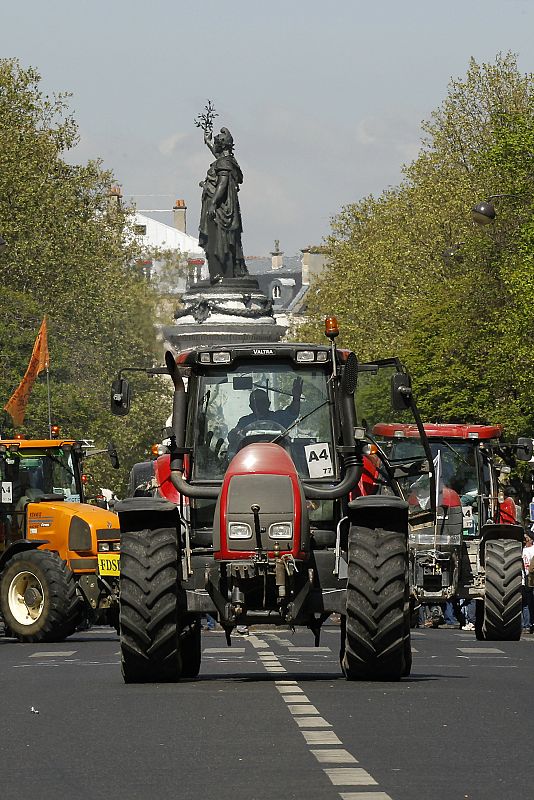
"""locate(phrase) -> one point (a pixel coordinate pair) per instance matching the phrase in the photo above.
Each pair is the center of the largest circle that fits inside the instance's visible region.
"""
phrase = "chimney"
(115, 198)
(178, 211)
(305, 264)
(277, 256)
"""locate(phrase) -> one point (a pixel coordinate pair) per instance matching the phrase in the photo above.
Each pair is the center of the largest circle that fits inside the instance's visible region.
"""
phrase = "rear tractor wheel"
(38, 597)
(502, 601)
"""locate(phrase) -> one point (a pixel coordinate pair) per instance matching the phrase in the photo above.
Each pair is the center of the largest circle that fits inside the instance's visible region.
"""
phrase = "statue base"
(231, 311)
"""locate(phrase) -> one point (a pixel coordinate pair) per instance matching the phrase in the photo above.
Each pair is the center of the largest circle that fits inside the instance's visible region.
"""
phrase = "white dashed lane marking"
(305, 708)
(350, 776)
(364, 796)
(481, 650)
(56, 654)
(321, 737)
(338, 756)
(312, 722)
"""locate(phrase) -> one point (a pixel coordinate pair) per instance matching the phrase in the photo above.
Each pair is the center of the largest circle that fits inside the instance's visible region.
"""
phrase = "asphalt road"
(269, 718)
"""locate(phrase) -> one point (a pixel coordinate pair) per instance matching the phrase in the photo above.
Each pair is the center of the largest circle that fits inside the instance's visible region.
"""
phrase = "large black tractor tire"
(149, 632)
(191, 648)
(377, 624)
(503, 601)
(38, 597)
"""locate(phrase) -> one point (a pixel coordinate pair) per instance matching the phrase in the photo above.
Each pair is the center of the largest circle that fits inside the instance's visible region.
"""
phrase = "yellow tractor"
(59, 556)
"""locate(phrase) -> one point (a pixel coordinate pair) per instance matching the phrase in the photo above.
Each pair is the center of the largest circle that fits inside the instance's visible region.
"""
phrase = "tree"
(461, 325)
(70, 253)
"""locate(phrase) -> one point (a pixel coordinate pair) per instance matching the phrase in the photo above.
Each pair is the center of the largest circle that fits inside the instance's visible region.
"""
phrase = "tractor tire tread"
(376, 634)
(149, 606)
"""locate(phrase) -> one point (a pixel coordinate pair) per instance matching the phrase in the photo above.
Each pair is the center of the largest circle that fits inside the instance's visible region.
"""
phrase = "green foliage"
(70, 255)
(462, 325)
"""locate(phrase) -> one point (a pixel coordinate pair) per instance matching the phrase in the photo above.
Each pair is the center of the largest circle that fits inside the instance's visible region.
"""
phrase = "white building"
(154, 235)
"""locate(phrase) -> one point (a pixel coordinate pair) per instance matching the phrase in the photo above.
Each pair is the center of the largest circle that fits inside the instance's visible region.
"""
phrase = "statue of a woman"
(220, 218)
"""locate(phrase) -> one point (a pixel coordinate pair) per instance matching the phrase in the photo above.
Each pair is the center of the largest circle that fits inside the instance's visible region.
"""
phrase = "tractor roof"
(37, 444)
(254, 351)
(435, 430)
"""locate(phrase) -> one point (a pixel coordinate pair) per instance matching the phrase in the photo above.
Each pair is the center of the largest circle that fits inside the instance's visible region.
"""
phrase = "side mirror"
(401, 391)
(525, 449)
(113, 455)
(120, 397)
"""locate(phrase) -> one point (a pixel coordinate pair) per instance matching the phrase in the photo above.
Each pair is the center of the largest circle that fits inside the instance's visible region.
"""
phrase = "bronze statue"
(220, 217)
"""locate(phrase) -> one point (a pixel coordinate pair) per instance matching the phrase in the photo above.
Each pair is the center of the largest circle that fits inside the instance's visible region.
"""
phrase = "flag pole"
(49, 406)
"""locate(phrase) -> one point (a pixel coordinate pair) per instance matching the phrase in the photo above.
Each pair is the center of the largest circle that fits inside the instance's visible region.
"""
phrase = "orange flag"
(16, 405)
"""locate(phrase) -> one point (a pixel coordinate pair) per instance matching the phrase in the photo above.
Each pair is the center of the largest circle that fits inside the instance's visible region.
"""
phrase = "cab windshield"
(456, 473)
(264, 402)
(33, 473)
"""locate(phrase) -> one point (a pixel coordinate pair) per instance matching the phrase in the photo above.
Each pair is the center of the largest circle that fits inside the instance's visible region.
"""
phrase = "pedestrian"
(468, 614)
(528, 582)
(210, 623)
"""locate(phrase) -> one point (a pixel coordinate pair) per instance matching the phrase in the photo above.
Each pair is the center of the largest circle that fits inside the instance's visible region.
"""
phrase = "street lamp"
(484, 213)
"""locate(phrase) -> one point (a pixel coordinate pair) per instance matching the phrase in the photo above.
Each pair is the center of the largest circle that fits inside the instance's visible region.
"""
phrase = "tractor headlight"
(221, 358)
(103, 547)
(239, 530)
(116, 546)
(281, 530)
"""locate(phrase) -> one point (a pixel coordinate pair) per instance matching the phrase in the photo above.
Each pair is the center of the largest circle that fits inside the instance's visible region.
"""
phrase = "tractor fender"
(146, 513)
(491, 531)
(19, 547)
(162, 471)
(379, 511)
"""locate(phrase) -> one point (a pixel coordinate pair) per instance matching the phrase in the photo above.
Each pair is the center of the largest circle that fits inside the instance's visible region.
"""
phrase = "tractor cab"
(280, 395)
(36, 471)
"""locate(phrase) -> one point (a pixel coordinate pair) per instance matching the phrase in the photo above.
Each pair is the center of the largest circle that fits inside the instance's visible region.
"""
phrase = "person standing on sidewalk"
(528, 579)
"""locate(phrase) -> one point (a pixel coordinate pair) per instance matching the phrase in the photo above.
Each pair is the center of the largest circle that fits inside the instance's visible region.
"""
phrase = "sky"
(324, 100)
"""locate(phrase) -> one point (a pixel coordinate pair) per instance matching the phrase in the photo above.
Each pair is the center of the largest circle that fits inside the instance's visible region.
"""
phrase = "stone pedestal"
(229, 312)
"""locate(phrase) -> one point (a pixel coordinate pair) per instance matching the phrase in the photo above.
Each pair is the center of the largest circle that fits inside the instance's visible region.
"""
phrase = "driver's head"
(259, 402)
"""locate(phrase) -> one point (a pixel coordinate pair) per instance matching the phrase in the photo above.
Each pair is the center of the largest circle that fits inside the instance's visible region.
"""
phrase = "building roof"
(260, 265)
(166, 237)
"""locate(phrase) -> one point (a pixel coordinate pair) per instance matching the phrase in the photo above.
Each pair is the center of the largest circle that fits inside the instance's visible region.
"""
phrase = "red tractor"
(471, 549)
(256, 515)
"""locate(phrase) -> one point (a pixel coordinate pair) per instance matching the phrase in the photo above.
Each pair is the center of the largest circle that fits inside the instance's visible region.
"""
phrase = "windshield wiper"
(61, 464)
(458, 455)
(298, 421)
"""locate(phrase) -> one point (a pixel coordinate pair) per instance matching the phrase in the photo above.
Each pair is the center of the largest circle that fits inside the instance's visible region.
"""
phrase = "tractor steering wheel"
(260, 430)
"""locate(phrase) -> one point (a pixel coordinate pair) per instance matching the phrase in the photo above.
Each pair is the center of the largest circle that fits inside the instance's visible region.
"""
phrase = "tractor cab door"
(12, 517)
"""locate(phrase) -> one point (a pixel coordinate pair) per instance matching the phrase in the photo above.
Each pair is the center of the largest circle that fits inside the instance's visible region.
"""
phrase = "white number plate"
(319, 460)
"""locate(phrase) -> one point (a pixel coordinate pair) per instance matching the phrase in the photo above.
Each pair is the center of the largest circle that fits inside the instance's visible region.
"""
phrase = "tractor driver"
(260, 406)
